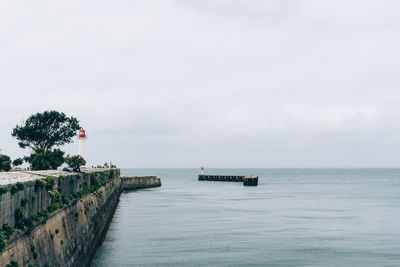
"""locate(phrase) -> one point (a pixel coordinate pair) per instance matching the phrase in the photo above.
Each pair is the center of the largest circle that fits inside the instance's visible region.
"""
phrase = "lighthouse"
(82, 136)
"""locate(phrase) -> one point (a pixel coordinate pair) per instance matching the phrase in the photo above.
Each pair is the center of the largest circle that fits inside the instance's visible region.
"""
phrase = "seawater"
(294, 217)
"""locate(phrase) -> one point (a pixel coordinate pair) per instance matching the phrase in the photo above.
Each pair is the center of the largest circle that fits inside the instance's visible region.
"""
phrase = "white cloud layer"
(184, 83)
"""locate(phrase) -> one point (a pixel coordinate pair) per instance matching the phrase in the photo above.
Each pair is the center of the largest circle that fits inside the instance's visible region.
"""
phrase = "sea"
(294, 217)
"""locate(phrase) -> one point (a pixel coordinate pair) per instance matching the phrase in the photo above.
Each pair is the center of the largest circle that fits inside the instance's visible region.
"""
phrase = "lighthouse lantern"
(82, 133)
(82, 136)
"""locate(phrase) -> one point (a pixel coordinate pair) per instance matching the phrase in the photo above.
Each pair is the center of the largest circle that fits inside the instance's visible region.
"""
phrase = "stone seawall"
(60, 218)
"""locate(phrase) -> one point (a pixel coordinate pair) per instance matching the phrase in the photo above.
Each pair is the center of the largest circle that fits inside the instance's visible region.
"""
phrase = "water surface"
(294, 217)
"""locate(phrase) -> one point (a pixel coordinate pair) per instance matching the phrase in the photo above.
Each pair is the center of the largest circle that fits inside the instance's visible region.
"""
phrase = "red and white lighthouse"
(82, 136)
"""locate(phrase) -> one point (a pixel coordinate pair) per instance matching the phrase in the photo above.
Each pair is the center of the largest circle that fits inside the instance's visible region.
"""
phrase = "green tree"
(42, 131)
(75, 162)
(40, 160)
(17, 162)
(5, 163)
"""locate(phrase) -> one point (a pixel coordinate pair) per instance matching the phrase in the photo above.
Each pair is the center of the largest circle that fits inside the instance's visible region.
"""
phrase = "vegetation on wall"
(88, 183)
(13, 263)
(5, 232)
(3, 190)
(17, 187)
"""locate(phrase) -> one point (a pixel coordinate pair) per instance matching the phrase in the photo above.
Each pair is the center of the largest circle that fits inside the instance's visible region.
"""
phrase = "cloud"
(224, 83)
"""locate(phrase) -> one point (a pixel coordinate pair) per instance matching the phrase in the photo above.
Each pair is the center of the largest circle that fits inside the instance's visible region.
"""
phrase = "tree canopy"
(75, 162)
(42, 131)
(45, 161)
(5, 163)
(18, 162)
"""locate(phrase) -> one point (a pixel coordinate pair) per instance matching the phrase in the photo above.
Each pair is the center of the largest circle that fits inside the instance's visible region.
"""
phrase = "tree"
(5, 163)
(17, 162)
(75, 162)
(43, 161)
(42, 131)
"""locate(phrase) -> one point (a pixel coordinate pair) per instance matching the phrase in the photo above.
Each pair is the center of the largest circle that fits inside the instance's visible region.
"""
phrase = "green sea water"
(294, 217)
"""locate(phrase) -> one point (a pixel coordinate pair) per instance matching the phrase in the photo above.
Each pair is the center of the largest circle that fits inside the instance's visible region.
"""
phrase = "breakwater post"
(250, 180)
(247, 180)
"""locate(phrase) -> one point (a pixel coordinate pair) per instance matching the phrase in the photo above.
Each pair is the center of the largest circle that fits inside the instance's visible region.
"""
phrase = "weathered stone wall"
(37, 201)
(36, 195)
(69, 227)
(69, 233)
(138, 182)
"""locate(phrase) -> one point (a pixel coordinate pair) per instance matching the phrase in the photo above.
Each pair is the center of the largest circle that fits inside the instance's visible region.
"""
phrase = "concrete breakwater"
(247, 180)
(59, 218)
(140, 182)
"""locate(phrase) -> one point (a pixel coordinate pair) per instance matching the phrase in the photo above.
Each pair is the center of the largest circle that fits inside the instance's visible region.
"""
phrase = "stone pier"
(247, 180)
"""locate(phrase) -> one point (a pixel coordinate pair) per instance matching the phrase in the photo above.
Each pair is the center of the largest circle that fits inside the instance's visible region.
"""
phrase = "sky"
(214, 83)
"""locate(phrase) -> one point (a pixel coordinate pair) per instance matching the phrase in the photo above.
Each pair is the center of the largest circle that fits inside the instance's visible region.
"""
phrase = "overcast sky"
(219, 83)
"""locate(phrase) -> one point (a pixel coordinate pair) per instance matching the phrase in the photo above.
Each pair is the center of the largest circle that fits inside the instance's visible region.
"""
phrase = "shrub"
(57, 231)
(75, 162)
(3, 190)
(56, 201)
(54, 207)
(20, 186)
(40, 183)
(51, 181)
(17, 187)
(35, 217)
(43, 214)
(13, 263)
(8, 230)
(66, 199)
(28, 222)
(14, 189)
(60, 183)
(19, 218)
(24, 201)
(19, 213)
(3, 241)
